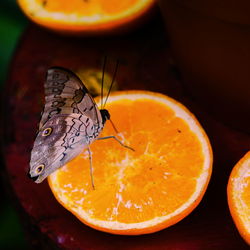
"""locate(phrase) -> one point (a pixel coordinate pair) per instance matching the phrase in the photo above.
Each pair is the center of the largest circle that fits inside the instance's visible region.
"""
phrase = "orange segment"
(149, 189)
(238, 193)
(85, 16)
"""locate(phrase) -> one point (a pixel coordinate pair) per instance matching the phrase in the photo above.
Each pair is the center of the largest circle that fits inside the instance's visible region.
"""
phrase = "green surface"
(12, 24)
(11, 232)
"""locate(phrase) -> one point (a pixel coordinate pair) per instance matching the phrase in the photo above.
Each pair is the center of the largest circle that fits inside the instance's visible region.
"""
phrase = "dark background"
(12, 24)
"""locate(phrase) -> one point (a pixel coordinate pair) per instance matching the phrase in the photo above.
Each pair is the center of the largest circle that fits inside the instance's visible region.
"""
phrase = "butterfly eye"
(39, 168)
(47, 131)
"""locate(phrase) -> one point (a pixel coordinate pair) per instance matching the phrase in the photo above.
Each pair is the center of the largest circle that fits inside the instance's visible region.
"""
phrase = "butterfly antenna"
(103, 71)
(112, 82)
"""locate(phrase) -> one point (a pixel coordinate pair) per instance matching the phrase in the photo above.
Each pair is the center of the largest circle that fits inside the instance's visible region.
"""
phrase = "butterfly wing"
(69, 122)
(68, 136)
(66, 94)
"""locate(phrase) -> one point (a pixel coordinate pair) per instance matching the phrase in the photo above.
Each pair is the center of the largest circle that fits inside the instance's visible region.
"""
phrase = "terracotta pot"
(211, 45)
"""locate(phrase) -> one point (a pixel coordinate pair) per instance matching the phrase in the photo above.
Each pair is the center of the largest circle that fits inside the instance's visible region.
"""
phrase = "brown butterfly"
(70, 122)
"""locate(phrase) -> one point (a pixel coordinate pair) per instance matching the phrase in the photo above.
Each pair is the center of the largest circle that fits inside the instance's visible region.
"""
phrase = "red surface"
(144, 58)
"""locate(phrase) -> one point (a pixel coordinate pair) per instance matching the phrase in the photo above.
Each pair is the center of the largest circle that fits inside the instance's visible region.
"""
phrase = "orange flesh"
(155, 180)
(239, 196)
(87, 7)
(87, 16)
(246, 193)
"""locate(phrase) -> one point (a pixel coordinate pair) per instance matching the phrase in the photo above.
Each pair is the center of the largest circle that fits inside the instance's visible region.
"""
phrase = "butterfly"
(69, 123)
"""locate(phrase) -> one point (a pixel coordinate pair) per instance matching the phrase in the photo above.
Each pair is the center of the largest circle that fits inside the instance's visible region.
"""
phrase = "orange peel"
(149, 189)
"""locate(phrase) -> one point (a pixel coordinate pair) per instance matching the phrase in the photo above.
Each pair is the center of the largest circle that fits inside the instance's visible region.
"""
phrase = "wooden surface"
(145, 64)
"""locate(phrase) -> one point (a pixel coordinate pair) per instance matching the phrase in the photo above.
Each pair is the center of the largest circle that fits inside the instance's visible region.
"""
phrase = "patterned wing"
(66, 94)
(61, 139)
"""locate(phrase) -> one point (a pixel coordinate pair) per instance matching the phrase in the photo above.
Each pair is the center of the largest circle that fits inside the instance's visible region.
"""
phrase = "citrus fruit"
(145, 190)
(79, 16)
(238, 194)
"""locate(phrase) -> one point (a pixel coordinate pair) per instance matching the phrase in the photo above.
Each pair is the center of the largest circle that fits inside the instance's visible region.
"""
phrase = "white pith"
(35, 8)
(238, 185)
(201, 180)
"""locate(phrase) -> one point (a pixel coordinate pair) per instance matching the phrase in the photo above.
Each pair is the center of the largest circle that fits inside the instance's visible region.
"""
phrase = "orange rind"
(238, 193)
(141, 191)
(87, 17)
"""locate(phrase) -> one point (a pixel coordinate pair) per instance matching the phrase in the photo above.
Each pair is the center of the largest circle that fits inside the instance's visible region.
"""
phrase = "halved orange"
(238, 194)
(83, 16)
(141, 191)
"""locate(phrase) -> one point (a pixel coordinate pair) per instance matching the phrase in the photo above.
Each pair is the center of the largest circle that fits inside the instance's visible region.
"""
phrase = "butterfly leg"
(91, 168)
(114, 137)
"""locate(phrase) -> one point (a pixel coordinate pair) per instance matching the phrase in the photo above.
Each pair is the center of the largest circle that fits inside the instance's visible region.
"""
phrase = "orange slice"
(149, 189)
(238, 194)
(84, 16)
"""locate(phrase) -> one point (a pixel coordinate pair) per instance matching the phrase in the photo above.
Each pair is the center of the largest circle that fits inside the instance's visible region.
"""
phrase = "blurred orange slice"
(238, 193)
(149, 189)
(87, 16)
